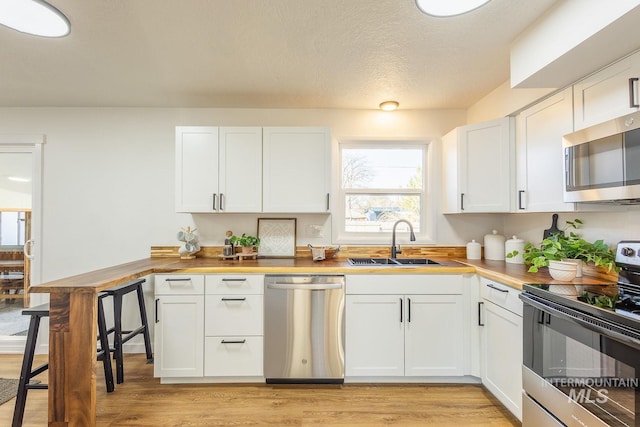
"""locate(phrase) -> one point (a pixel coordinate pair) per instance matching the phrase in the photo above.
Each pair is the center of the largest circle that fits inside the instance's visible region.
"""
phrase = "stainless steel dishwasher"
(304, 329)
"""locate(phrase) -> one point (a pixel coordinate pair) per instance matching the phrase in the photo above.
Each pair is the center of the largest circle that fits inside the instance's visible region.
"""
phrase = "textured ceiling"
(263, 53)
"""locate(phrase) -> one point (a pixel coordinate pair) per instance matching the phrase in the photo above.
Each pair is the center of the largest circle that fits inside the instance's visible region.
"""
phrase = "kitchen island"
(73, 311)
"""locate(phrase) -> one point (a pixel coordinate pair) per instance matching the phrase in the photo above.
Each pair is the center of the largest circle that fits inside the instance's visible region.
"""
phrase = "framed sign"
(277, 237)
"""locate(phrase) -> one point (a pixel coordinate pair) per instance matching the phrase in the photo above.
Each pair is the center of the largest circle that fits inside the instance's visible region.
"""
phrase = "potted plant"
(247, 243)
(559, 246)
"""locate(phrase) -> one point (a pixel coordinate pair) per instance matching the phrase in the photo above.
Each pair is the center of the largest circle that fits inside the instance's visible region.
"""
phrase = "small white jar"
(494, 246)
(474, 250)
(514, 244)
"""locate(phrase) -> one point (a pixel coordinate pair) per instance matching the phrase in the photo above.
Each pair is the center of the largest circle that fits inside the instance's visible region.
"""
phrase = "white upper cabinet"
(296, 166)
(218, 169)
(196, 174)
(478, 167)
(539, 158)
(607, 94)
(240, 173)
(251, 169)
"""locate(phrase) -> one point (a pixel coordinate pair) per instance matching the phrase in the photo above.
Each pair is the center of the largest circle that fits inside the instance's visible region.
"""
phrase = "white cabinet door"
(434, 335)
(481, 178)
(374, 335)
(196, 168)
(240, 170)
(179, 336)
(539, 155)
(296, 169)
(608, 93)
(502, 356)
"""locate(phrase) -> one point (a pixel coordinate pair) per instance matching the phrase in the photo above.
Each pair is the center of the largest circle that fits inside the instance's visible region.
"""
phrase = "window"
(12, 228)
(380, 183)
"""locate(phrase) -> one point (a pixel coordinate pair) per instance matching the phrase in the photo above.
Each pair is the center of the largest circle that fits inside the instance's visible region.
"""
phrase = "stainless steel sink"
(391, 261)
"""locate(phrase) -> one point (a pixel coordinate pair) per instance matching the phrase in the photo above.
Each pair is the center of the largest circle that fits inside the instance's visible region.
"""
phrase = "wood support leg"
(72, 358)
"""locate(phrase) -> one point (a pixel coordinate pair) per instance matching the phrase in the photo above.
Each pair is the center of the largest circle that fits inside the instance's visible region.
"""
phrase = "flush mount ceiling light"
(442, 8)
(389, 105)
(35, 17)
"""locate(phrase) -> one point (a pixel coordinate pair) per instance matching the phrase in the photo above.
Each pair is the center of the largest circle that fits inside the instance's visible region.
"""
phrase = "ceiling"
(263, 53)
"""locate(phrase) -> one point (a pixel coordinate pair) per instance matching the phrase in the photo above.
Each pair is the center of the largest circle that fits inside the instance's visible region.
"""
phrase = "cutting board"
(554, 227)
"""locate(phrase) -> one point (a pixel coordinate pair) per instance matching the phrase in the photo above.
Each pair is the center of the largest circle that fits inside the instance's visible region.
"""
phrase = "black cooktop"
(621, 310)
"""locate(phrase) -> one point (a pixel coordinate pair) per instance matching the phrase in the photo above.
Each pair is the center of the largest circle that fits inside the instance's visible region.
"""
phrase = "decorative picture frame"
(277, 237)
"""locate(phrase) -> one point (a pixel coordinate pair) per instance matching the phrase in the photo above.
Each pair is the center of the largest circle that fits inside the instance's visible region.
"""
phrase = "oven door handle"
(584, 320)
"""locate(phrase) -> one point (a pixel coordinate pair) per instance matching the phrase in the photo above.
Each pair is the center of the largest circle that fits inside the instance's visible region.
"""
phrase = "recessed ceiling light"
(389, 105)
(442, 8)
(35, 17)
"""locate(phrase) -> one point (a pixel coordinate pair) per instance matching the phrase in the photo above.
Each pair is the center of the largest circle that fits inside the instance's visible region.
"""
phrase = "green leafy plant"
(559, 246)
(245, 240)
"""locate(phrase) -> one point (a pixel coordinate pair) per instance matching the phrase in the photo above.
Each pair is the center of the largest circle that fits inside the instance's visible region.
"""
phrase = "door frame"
(33, 144)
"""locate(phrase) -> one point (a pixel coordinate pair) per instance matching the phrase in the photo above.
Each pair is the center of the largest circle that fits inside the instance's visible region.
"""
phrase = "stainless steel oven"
(581, 354)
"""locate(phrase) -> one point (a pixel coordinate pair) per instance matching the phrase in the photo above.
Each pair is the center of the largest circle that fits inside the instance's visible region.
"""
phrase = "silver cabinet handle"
(461, 201)
(401, 316)
(244, 279)
(215, 199)
(186, 279)
(232, 299)
(221, 202)
(327, 201)
(480, 321)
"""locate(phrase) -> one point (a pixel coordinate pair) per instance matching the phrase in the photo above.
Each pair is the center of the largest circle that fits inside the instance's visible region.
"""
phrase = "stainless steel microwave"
(602, 162)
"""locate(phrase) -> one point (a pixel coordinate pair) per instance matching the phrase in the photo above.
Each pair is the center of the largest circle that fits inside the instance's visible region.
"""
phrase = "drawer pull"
(233, 341)
(244, 279)
(233, 299)
(506, 291)
(480, 321)
(178, 280)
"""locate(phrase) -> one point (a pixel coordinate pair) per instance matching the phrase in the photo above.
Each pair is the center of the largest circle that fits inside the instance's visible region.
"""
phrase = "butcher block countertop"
(73, 310)
(514, 275)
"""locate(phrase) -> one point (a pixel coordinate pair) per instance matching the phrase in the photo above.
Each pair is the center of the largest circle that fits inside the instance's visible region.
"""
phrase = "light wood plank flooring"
(142, 401)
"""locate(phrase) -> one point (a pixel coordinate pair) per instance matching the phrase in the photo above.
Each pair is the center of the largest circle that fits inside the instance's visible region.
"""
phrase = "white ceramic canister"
(474, 250)
(494, 246)
(514, 244)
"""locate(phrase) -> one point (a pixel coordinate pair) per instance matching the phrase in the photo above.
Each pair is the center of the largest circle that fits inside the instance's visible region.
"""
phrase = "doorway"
(20, 219)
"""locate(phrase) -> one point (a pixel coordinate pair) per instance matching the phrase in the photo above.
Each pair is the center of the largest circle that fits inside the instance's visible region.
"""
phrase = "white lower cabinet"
(417, 334)
(233, 326)
(179, 326)
(209, 328)
(501, 343)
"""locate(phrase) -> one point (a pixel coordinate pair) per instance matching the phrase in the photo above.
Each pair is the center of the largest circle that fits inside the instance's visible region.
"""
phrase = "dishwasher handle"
(305, 286)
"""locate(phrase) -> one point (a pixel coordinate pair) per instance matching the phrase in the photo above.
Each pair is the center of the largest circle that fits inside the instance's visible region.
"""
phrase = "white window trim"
(427, 234)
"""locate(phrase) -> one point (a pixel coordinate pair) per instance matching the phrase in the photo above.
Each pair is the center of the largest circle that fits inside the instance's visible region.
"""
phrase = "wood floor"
(142, 401)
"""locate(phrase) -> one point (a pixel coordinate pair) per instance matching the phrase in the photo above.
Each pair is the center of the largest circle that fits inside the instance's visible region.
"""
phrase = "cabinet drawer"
(233, 356)
(179, 284)
(502, 295)
(419, 284)
(234, 284)
(227, 315)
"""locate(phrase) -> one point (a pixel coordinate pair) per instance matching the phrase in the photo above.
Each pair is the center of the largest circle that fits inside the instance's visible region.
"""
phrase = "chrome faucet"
(395, 251)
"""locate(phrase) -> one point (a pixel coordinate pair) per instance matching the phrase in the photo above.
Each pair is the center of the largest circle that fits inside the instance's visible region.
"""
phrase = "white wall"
(108, 176)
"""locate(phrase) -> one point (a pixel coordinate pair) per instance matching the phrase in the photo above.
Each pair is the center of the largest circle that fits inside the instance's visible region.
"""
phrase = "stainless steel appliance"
(601, 162)
(581, 354)
(304, 329)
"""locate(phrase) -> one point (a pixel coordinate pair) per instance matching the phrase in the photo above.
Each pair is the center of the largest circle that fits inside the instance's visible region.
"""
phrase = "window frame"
(427, 205)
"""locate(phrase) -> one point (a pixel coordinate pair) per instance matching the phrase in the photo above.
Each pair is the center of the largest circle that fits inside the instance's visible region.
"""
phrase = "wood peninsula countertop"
(73, 310)
(514, 275)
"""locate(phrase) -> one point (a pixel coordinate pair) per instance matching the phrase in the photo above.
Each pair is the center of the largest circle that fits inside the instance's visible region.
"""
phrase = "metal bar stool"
(27, 372)
(119, 336)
